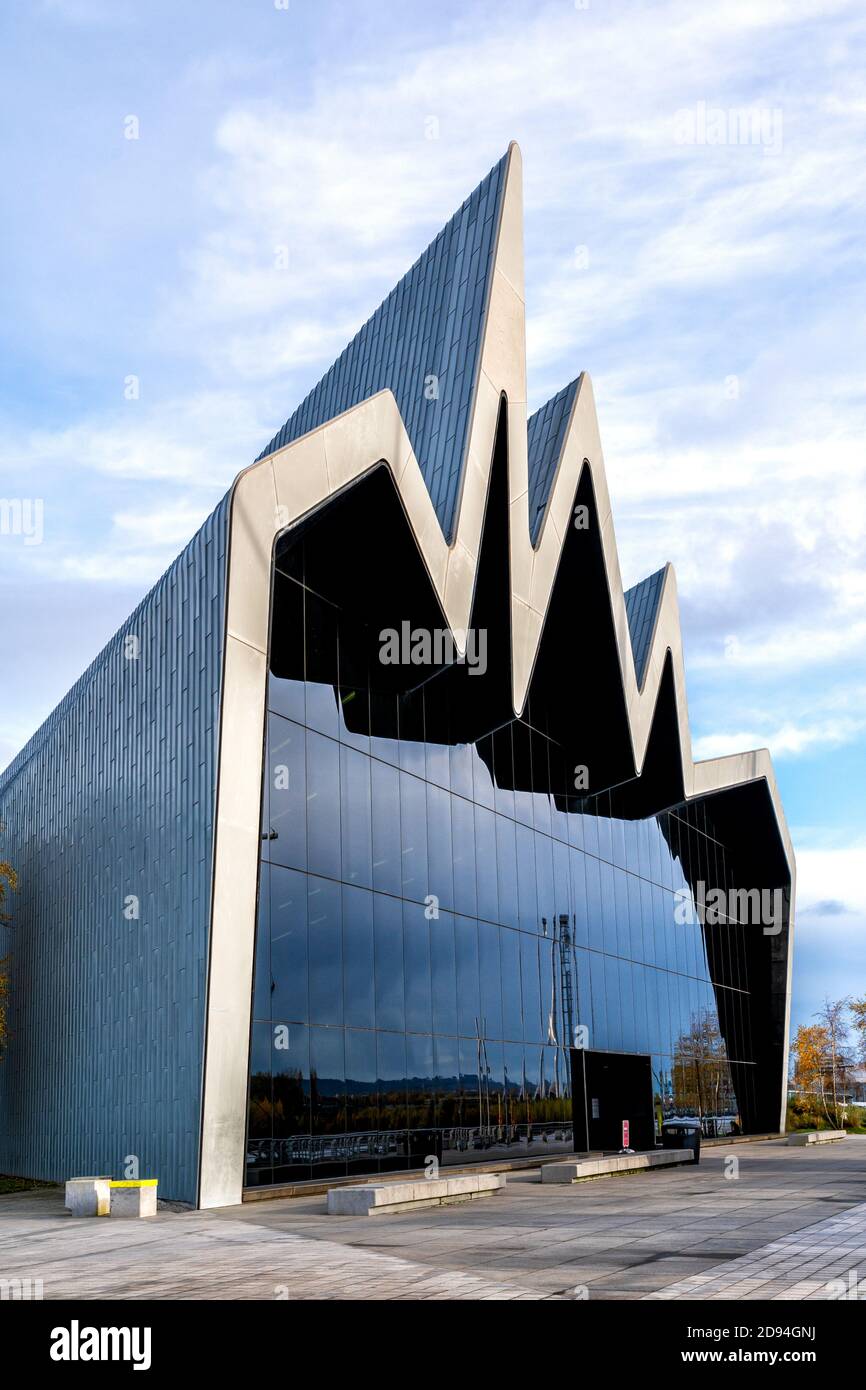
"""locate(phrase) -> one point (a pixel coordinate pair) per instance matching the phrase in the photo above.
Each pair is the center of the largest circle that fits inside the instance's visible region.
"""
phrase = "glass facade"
(439, 922)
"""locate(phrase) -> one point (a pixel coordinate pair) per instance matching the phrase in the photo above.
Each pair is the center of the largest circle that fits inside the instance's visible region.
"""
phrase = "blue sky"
(705, 267)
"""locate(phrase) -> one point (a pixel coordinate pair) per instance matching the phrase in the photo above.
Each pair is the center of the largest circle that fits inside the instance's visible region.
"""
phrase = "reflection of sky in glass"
(436, 926)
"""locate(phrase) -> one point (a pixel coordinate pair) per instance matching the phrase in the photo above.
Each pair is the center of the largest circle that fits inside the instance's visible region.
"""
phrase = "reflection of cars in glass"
(481, 1140)
(719, 1126)
(308, 1150)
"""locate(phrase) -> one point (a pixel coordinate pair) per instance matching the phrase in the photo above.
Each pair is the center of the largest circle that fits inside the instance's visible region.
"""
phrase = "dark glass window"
(413, 828)
(391, 1051)
(416, 962)
(443, 965)
(387, 855)
(290, 1053)
(285, 820)
(545, 895)
(529, 911)
(327, 1083)
(468, 981)
(489, 961)
(436, 918)
(512, 994)
(440, 882)
(359, 975)
(463, 858)
(506, 863)
(261, 1106)
(289, 949)
(362, 1096)
(323, 805)
(355, 818)
(388, 929)
(485, 849)
(533, 1028)
(325, 945)
(322, 672)
(262, 969)
(462, 756)
(595, 923)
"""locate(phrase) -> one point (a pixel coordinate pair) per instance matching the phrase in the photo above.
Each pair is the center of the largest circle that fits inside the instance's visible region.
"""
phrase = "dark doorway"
(609, 1087)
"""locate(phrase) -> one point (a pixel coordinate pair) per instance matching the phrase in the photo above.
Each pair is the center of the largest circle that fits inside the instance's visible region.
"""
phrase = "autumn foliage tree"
(809, 1050)
(821, 1059)
(858, 1018)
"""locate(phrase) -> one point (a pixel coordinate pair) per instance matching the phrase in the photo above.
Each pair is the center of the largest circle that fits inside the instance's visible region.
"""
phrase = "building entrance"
(608, 1088)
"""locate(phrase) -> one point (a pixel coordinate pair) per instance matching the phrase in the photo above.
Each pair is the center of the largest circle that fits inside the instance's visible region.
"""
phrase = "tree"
(858, 1013)
(821, 1058)
(812, 1054)
(833, 1018)
(809, 1050)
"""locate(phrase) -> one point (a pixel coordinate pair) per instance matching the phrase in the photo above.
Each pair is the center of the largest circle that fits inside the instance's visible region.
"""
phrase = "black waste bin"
(683, 1133)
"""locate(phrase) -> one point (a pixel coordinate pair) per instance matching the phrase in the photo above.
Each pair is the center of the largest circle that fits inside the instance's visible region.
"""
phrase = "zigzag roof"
(547, 459)
(439, 315)
(545, 431)
(641, 606)
(430, 325)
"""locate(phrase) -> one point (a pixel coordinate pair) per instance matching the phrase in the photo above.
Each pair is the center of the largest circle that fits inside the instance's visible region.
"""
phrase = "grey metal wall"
(112, 798)
(641, 603)
(545, 435)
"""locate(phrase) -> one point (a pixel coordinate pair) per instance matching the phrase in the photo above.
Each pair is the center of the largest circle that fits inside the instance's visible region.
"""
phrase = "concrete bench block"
(88, 1196)
(816, 1136)
(134, 1198)
(574, 1169)
(370, 1198)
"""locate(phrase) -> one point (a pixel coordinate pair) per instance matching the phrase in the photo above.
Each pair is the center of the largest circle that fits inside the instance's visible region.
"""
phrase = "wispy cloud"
(291, 166)
(782, 741)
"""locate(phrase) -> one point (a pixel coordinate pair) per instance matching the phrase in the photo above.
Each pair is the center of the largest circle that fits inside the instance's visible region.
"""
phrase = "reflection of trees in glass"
(261, 1108)
(420, 1109)
(284, 1106)
(701, 1075)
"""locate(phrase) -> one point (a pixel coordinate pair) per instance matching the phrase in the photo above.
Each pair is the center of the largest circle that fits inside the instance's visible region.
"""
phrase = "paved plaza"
(790, 1223)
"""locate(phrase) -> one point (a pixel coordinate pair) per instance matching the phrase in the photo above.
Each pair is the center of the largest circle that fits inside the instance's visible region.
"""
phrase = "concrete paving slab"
(792, 1220)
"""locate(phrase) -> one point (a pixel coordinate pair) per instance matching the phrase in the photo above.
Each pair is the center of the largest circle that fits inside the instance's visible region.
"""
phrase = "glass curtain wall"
(436, 929)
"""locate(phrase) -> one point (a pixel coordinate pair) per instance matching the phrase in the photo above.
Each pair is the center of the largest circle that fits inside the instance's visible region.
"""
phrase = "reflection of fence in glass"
(447, 1144)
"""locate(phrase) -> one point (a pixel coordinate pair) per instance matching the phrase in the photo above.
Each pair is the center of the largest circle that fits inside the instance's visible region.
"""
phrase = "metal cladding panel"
(429, 326)
(113, 799)
(641, 603)
(545, 435)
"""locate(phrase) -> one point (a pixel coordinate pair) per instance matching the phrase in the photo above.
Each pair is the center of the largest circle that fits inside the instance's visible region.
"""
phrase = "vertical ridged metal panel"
(114, 797)
(545, 431)
(641, 603)
(430, 325)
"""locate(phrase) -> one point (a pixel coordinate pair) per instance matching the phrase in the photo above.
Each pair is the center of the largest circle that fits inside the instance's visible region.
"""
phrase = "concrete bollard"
(134, 1198)
(88, 1196)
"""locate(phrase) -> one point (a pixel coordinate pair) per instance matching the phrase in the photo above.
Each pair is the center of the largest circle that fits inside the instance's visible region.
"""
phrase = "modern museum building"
(375, 834)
